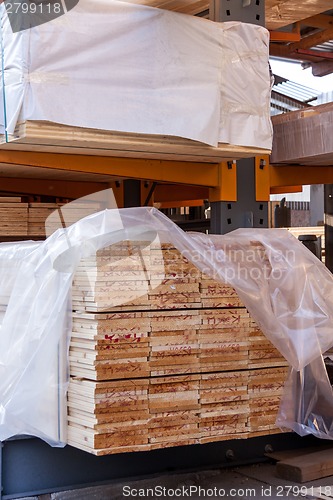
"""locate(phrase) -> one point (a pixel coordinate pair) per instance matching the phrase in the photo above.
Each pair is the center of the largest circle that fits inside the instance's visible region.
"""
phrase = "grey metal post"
(246, 212)
(246, 11)
(316, 204)
(132, 193)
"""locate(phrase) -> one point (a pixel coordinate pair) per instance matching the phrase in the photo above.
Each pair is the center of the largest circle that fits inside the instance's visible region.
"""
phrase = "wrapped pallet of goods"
(147, 370)
(144, 312)
(212, 103)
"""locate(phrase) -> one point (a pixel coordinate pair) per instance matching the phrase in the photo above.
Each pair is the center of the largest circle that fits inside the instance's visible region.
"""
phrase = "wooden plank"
(307, 467)
(287, 454)
(50, 137)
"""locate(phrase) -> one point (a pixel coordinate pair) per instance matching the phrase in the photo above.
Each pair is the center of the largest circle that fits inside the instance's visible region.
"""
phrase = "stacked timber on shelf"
(303, 137)
(13, 217)
(56, 138)
(40, 219)
(45, 218)
(162, 355)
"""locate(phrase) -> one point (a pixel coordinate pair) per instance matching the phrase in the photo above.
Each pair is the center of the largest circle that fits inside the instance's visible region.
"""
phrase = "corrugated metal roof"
(324, 47)
(294, 90)
(290, 96)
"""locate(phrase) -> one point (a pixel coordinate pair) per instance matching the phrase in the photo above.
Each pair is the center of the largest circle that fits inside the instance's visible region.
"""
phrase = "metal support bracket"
(227, 188)
(247, 211)
(262, 177)
(246, 11)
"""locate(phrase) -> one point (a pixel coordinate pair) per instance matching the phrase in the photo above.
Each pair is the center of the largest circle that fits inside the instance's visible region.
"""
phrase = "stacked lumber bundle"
(40, 219)
(45, 218)
(58, 138)
(37, 216)
(261, 350)
(136, 276)
(265, 388)
(224, 406)
(108, 415)
(13, 218)
(139, 343)
(165, 355)
(117, 416)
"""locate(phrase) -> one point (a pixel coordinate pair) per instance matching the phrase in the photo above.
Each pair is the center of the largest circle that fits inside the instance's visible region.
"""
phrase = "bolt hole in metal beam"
(229, 221)
(229, 206)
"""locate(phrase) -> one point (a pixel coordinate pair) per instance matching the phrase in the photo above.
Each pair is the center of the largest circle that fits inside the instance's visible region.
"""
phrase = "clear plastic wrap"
(287, 290)
(152, 69)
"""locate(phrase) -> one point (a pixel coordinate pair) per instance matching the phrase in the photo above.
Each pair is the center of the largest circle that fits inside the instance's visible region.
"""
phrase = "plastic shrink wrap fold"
(155, 71)
(287, 290)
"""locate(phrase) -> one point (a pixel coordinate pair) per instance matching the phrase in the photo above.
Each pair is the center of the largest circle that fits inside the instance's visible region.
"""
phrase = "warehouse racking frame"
(240, 187)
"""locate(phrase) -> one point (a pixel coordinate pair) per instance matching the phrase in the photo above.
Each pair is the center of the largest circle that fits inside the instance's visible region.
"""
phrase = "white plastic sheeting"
(287, 290)
(117, 66)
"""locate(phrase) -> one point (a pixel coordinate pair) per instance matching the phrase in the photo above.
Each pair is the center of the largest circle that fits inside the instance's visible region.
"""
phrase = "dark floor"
(241, 483)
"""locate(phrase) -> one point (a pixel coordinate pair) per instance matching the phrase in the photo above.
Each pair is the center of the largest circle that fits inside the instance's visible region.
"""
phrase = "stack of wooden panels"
(13, 219)
(40, 219)
(108, 415)
(56, 138)
(265, 387)
(37, 216)
(45, 218)
(136, 277)
(143, 414)
(144, 313)
(224, 406)
(139, 343)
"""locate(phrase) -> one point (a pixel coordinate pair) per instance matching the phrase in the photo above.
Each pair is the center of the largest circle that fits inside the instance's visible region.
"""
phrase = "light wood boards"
(40, 219)
(145, 414)
(13, 219)
(155, 343)
(50, 137)
(176, 363)
(307, 467)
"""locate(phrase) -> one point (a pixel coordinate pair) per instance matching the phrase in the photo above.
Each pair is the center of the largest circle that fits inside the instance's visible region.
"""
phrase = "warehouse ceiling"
(300, 29)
